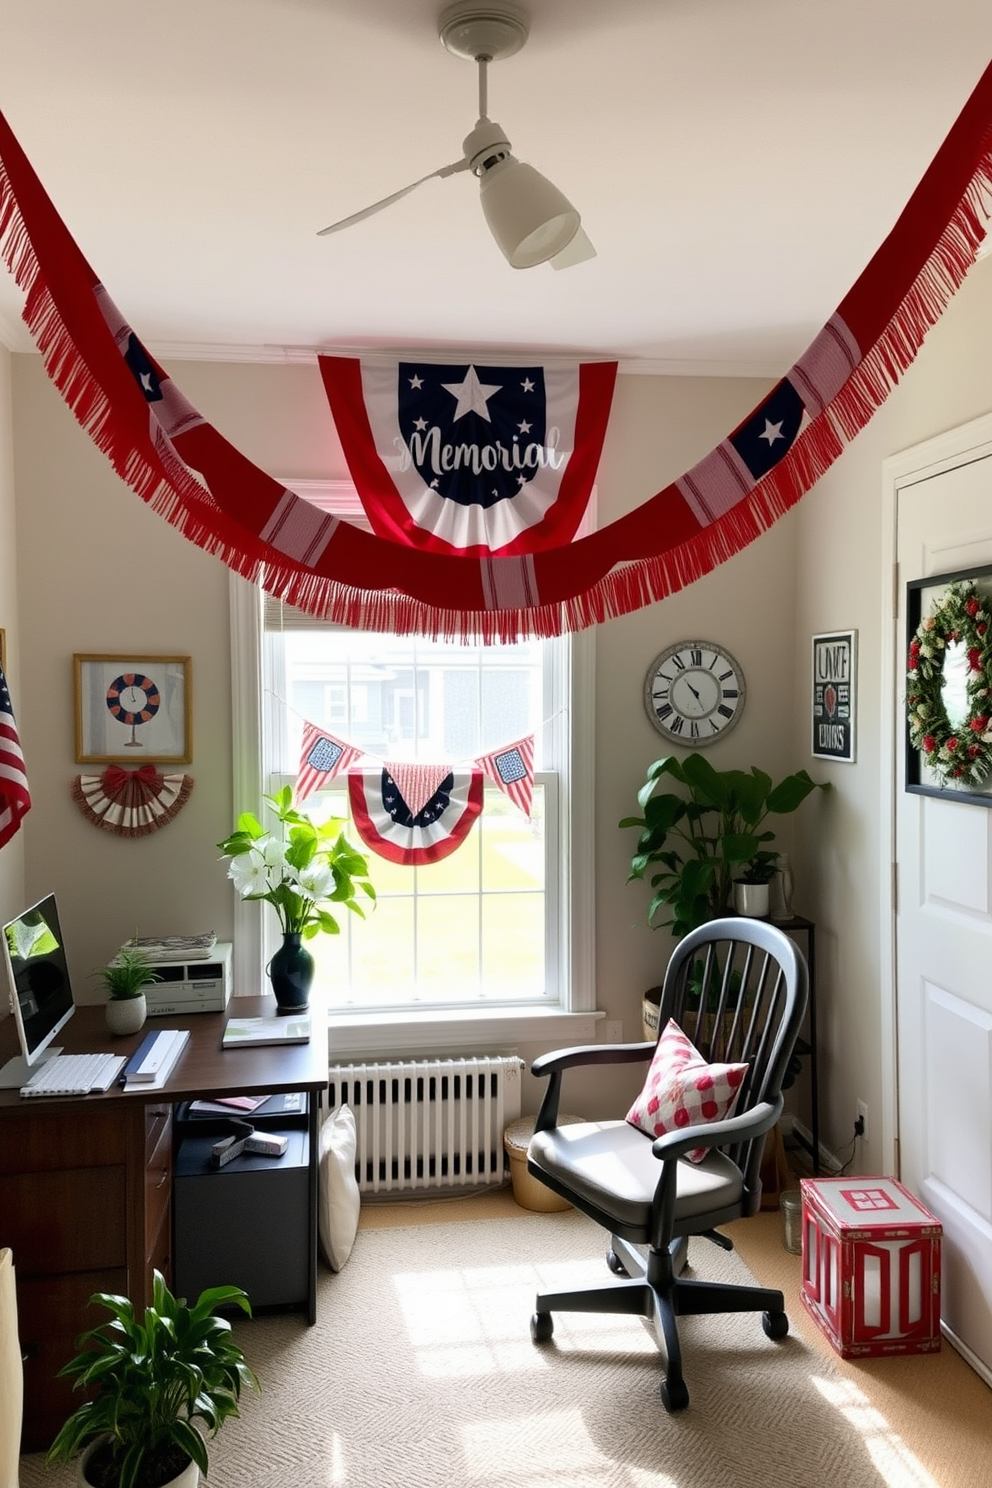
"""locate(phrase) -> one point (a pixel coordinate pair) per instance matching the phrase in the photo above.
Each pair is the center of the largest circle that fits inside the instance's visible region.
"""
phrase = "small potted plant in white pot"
(124, 980)
(752, 885)
(152, 1378)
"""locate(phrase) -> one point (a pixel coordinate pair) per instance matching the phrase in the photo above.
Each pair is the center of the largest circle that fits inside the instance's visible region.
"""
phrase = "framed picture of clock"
(133, 710)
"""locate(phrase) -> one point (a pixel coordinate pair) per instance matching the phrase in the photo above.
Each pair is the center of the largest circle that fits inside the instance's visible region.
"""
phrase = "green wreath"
(960, 753)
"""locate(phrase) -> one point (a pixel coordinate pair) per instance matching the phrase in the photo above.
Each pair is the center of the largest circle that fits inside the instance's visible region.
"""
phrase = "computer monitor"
(40, 991)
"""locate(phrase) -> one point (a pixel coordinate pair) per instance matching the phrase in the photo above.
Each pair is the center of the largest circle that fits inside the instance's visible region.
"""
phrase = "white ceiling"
(736, 163)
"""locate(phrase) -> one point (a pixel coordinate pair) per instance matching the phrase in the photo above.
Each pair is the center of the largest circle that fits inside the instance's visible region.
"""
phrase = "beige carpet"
(420, 1373)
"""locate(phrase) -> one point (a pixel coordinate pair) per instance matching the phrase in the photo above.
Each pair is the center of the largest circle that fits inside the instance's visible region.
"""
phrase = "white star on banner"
(420, 424)
(416, 382)
(771, 432)
(527, 385)
(524, 427)
(473, 395)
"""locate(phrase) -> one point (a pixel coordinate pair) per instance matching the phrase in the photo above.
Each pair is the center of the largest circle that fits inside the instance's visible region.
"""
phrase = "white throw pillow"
(340, 1200)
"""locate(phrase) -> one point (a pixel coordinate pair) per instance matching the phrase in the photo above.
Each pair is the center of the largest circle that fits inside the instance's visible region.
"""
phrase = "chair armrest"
(559, 1060)
(754, 1123)
(562, 1059)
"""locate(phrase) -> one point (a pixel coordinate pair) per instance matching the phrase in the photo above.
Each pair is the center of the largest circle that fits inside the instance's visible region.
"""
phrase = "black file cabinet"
(246, 1224)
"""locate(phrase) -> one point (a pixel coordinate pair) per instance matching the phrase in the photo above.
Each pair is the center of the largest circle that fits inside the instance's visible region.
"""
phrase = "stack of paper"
(176, 947)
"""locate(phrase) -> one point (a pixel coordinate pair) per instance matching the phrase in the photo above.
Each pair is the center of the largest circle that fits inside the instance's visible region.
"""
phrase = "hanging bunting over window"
(415, 831)
(468, 457)
(323, 756)
(189, 473)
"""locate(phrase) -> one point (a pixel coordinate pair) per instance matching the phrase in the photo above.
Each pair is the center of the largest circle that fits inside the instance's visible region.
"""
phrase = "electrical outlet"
(613, 1032)
(861, 1124)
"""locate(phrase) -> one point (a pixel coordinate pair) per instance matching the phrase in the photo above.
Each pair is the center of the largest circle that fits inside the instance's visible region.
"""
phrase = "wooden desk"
(86, 1183)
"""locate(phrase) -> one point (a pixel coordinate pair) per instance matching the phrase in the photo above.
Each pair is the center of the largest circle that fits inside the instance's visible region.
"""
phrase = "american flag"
(15, 798)
(322, 756)
(512, 769)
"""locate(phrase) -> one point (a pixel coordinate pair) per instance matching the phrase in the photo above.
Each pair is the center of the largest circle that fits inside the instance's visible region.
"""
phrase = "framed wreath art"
(949, 686)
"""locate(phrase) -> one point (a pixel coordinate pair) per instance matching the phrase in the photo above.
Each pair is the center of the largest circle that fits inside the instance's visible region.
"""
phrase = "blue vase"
(291, 975)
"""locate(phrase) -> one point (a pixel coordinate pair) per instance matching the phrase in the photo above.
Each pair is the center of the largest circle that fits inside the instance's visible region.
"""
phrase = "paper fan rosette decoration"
(131, 803)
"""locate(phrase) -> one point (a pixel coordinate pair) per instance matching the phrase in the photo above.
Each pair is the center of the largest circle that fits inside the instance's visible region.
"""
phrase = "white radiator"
(431, 1123)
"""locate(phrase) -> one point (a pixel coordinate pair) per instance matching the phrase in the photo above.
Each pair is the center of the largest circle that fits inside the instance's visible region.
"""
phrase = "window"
(481, 924)
(502, 929)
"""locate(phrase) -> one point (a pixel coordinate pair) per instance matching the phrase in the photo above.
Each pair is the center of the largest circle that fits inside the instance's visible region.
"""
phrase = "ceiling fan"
(530, 219)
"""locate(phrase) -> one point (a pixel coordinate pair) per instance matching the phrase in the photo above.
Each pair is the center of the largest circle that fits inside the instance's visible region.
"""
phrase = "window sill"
(460, 1030)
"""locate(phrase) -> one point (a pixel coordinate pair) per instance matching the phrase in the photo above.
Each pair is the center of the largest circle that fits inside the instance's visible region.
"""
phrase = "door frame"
(958, 446)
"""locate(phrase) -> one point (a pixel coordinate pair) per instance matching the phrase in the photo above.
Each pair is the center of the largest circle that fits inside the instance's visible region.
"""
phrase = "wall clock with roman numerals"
(694, 692)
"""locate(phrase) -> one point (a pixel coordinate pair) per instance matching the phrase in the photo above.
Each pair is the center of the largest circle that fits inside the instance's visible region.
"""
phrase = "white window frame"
(365, 1033)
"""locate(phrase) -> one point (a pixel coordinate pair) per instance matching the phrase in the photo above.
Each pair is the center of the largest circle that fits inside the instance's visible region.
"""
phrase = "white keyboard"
(74, 1074)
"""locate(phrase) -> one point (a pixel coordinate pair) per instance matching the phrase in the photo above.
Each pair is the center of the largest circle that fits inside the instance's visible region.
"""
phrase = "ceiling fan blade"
(577, 251)
(387, 201)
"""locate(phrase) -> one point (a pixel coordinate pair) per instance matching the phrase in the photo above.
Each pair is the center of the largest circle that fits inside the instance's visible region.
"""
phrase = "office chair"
(735, 991)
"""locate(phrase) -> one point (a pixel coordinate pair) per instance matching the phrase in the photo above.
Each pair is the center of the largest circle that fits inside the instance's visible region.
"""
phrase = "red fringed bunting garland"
(189, 473)
(131, 803)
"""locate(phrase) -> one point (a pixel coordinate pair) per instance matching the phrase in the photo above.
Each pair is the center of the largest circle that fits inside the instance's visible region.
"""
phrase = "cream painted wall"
(841, 863)
(11, 856)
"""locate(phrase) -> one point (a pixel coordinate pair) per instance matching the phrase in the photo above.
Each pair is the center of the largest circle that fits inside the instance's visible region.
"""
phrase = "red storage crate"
(871, 1266)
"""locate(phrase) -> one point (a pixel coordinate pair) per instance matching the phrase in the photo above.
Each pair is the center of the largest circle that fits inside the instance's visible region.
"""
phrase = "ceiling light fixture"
(530, 219)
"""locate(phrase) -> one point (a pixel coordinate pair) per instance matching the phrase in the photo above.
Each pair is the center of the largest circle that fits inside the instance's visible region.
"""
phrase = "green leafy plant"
(300, 870)
(701, 837)
(154, 1377)
(128, 974)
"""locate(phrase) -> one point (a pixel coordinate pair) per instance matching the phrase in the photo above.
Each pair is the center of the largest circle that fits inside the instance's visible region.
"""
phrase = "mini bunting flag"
(512, 769)
(322, 756)
(15, 798)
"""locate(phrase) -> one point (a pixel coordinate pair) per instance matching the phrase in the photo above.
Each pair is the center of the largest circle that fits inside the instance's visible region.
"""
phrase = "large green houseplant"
(151, 1378)
(695, 841)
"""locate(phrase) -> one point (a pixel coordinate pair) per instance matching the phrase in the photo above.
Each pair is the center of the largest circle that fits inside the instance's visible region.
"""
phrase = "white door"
(944, 944)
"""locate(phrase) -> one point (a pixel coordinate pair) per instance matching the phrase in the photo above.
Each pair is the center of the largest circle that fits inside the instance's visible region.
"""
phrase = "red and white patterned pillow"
(681, 1089)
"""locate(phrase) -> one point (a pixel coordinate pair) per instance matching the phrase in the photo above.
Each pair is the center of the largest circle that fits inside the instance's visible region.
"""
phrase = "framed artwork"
(133, 710)
(834, 700)
(948, 685)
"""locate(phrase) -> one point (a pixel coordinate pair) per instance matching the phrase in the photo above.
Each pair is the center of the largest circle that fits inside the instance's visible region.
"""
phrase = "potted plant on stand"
(124, 982)
(154, 1377)
(700, 833)
(302, 871)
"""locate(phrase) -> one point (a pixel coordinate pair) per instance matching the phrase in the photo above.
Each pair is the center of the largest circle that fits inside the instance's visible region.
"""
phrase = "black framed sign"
(835, 667)
(948, 685)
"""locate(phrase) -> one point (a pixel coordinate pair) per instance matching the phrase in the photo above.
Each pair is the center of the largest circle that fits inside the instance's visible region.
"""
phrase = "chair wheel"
(674, 1395)
(775, 1324)
(615, 1264)
(542, 1327)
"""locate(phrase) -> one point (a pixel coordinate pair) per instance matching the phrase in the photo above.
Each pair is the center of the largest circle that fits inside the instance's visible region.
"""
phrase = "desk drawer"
(67, 1134)
(68, 1221)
